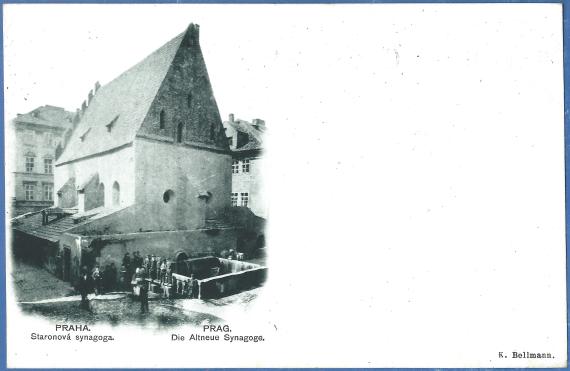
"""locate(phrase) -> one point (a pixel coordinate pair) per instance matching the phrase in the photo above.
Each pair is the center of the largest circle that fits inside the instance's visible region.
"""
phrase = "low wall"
(110, 250)
(232, 283)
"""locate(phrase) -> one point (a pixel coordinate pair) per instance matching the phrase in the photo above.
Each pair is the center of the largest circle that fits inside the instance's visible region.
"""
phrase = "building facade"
(37, 135)
(246, 144)
(153, 173)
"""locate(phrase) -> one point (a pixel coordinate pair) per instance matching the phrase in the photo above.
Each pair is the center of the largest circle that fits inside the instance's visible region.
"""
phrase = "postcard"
(284, 185)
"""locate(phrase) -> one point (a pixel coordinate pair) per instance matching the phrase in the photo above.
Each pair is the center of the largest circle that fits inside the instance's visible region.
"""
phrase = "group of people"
(97, 280)
(136, 272)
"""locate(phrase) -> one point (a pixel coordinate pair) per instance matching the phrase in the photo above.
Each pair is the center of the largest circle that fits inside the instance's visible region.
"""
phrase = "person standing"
(84, 287)
(144, 296)
(194, 287)
(162, 271)
(96, 276)
(154, 268)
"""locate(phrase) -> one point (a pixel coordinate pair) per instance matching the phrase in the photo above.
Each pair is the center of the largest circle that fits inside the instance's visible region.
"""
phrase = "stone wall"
(186, 100)
(197, 181)
(117, 166)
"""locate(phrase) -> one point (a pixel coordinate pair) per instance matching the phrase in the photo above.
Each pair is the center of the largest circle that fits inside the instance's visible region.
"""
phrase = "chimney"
(89, 96)
(231, 117)
(97, 86)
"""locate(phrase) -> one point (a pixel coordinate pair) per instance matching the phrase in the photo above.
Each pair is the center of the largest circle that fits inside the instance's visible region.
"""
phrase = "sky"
(415, 151)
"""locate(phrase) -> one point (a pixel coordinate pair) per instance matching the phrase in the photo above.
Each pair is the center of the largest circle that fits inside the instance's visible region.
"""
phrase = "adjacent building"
(246, 144)
(36, 136)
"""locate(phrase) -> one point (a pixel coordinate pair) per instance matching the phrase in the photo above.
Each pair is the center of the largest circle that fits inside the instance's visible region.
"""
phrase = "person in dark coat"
(85, 286)
(137, 260)
(194, 287)
(144, 297)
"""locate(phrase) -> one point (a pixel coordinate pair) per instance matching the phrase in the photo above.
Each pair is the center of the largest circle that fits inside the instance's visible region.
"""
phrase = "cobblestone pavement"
(33, 283)
(40, 293)
(115, 311)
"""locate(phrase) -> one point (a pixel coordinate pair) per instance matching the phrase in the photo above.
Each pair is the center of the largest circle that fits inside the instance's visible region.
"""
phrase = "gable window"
(29, 190)
(29, 163)
(85, 135)
(162, 119)
(48, 166)
(244, 199)
(48, 192)
(235, 167)
(245, 166)
(112, 123)
(234, 199)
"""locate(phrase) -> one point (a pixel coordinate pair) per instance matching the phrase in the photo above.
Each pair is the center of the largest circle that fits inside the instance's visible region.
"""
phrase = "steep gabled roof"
(124, 102)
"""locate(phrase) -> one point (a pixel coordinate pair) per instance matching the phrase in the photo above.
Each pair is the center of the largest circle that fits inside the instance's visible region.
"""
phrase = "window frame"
(29, 191)
(50, 168)
(245, 166)
(45, 192)
(244, 199)
(235, 166)
(30, 163)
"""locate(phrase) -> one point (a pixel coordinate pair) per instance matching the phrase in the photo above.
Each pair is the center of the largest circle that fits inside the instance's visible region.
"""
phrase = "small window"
(235, 167)
(234, 199)
(179, 133)
(30, 164)
(244, 199)
(189, 100)
(116, 194)
(29, 190)
(48, 192)
(212, 132)
(48, 166)
(168, 196)
(112, 123)
(245, 166)
(162, 119)
(85, 135)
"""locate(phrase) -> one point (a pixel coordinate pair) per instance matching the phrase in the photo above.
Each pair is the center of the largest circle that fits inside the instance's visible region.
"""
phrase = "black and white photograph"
(284, 185)
(142, 192)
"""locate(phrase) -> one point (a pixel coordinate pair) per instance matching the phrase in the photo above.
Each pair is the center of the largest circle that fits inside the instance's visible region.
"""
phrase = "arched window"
(179, 133)
(116, 194)
(101, 195)
(162, 119)
(189, 100)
